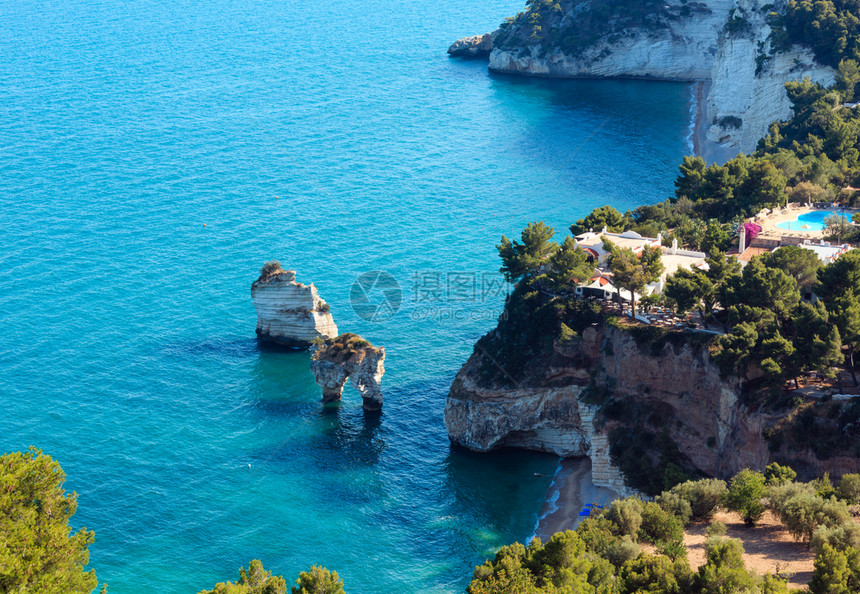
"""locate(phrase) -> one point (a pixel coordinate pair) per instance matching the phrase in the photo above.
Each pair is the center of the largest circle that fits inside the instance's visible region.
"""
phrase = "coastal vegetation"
(638, 546)
(256, 580)
(39, 552)
(830, 27)
(270, 268)
(542, 23)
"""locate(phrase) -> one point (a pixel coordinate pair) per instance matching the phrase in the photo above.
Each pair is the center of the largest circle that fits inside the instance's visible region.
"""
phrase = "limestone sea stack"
(349, 356)
(288, 312)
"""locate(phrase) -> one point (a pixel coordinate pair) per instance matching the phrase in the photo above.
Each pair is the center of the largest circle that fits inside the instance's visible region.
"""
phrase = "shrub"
(836, 571)
(772, 584)
(318, 580)
(703, 496)
(673, 503)
(778, 495)
(849, 489)
(724, 571)
(626, 514)
(775, 474)
(621, 551)
(823, 486)
(597, 535)
(716, 528)
(659, 526)
(730, 122)
(805, 512)
(269, 268)
(744, 495)
(648, 573)
(839, 537)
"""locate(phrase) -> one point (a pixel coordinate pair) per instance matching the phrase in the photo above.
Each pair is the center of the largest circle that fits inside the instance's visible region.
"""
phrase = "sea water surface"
(154, 154)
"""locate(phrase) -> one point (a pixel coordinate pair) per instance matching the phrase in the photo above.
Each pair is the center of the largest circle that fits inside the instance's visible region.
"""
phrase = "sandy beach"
(570, 490)
(711, 152)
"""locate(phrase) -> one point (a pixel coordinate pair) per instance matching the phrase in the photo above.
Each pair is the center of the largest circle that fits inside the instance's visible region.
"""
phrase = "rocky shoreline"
(746, 83)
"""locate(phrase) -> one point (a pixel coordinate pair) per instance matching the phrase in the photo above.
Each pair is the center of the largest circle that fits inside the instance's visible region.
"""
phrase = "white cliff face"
(755, 99)
(333, 364)
(682, 51)
(289, 312)
(695, 47)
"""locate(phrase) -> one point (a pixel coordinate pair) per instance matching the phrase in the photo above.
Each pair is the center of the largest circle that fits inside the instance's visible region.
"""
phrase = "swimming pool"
(810, 221)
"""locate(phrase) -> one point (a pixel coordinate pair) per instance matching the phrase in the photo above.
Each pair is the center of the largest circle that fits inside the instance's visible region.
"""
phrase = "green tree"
(569, 266)
(829, 351)
(318, 580)
(597, 219)
(803, 513)
(524, 260)
(254, 580)
(692, 288)
(716, 237)
(845, 312)
(724, 572)
(800, 264)
(834, 226)
(649, 574)
(508, 572)
(836, 572)
(634, 273)
(38, 551)
(849, 488)
(659, 526)
(626, 514)
(745, 493)
(810, 321)
(838, 278)
(691, 178)
(765, 288)
(776, 474)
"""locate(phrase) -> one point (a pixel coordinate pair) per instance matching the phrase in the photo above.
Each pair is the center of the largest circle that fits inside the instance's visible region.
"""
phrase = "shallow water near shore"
(339, 139)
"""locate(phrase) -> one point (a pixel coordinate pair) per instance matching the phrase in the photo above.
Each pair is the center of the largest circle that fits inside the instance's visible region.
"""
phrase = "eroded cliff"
(349, 357)
(726, 42)
(606, 385)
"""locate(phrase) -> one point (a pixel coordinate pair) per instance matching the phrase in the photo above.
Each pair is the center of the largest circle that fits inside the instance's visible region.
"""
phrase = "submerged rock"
(474, 46)
(349, 356)
(288, 312)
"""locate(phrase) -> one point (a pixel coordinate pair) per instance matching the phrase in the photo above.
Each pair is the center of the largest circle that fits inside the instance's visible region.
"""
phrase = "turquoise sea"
(154, 153)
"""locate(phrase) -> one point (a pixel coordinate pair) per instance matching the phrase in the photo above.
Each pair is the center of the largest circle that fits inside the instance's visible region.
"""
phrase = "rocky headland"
(636, 404)
(727, 43)
(288, 312)
(349, 357)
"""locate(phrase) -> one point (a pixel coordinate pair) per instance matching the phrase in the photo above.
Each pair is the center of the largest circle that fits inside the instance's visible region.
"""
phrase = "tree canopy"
(256, 580)
(38, 550)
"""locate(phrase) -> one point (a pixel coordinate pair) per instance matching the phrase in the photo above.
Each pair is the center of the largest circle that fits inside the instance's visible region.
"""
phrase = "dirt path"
(769, 547)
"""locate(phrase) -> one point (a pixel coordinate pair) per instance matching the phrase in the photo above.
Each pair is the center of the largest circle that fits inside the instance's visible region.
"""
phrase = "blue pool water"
(127, 347)
(810, 221)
